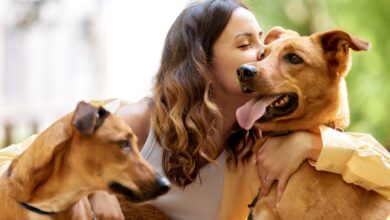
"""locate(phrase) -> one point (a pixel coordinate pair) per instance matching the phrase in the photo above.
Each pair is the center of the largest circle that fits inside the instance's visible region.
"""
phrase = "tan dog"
(300, 85)
(85, 151)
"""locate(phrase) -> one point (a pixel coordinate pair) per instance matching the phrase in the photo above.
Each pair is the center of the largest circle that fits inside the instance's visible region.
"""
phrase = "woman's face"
(239, 43)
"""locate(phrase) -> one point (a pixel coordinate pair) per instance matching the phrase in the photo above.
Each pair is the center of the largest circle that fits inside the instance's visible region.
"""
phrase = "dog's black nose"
(246, 72)
(163, 183)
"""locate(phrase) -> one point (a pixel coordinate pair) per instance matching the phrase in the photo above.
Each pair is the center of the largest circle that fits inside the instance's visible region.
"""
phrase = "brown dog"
(85, 151)
(300, 85)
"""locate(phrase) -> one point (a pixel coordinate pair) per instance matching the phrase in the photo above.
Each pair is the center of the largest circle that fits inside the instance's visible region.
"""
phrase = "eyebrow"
(247, 34)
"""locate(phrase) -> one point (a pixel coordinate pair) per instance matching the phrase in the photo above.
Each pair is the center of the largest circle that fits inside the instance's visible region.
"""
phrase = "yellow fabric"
(358, 157)
(9, 153)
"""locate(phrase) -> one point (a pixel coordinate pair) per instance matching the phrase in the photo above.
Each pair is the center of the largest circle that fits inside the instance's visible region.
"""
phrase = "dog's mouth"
(147, 191)
(266, 108)
(282, 106)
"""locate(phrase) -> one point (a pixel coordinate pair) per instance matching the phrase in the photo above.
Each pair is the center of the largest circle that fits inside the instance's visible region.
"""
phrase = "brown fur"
(79, 154)
(320, 86)
(133, 211)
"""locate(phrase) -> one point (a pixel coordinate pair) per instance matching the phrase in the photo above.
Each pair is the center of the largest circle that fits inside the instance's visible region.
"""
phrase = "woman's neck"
(227, 106)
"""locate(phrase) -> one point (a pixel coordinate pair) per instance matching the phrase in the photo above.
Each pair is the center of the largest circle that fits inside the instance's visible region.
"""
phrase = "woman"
(189, 123)
(188, 129)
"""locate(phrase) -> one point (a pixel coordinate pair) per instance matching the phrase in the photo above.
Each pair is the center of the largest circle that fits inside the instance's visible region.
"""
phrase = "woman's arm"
(359, 158)
(7, 154)
(137, 116)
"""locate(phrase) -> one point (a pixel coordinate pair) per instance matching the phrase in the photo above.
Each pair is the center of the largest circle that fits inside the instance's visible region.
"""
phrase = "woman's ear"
(278, 32)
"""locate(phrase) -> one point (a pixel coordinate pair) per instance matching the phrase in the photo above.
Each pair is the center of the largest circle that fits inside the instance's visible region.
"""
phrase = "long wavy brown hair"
(184, 117)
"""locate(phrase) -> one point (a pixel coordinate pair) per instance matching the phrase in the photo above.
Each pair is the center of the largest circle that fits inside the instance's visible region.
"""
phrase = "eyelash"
(244, 45)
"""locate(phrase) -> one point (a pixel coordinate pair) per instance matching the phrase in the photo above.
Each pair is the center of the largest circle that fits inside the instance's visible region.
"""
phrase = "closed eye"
(292, 58)
(244, 46)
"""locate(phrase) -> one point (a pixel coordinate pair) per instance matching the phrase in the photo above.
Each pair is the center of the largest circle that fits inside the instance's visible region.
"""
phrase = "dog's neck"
(60, 199)
(62, 190)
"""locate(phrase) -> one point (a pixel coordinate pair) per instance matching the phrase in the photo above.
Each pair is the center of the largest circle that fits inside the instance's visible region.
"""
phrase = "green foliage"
(368, 80)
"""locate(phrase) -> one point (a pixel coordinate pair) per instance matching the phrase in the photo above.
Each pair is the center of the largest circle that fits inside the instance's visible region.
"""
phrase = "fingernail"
(277, 204)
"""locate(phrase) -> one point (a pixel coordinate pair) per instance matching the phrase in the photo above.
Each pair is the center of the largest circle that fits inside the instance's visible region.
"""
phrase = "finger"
(266, 185)
(281, 187)
(265, 190)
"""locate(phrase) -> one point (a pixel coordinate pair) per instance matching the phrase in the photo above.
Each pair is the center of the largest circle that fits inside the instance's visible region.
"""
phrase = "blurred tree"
(368, 81)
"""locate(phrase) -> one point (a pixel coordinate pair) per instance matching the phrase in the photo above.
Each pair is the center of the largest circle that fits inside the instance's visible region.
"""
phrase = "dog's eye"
(125, 145)
(293, 58)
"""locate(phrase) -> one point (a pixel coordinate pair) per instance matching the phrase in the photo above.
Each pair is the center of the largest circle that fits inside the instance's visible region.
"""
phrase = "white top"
(200, 200)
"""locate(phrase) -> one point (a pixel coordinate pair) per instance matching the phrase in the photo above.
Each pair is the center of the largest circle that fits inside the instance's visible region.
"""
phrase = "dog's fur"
(145, 211)
(319, 87)
(85, 151)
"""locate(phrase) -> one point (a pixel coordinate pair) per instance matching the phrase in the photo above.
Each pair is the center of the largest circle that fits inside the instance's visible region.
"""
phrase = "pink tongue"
(251, 111)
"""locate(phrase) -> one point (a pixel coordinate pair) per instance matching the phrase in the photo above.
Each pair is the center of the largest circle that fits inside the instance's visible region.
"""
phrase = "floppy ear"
(87, 118)
(336, 45)
(278, 32)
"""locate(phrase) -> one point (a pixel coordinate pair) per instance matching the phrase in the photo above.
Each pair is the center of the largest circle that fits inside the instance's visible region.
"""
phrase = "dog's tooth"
(286, 98)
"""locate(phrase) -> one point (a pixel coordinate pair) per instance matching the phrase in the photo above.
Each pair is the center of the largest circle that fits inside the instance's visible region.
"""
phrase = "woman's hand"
(279, 157)
(105, 206)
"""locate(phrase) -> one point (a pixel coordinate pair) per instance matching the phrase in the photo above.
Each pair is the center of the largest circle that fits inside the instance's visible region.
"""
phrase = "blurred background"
(54, 53)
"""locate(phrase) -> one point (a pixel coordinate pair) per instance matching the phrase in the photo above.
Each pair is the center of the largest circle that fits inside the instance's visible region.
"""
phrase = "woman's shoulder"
(137, 116)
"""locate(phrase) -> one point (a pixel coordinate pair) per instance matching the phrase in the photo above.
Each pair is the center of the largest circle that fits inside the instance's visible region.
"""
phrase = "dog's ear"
(278, 32)
(87, 118)
(336, 45)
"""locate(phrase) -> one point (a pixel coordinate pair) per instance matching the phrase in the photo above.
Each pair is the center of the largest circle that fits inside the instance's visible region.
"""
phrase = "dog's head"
(299, 82)
(92, 146)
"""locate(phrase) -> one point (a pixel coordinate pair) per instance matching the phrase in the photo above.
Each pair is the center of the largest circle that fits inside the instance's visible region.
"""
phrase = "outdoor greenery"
(369, 80)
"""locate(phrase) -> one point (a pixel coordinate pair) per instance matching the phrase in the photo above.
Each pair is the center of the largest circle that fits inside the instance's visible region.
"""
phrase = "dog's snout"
(163, 184)
(246, 72)
(247, 77)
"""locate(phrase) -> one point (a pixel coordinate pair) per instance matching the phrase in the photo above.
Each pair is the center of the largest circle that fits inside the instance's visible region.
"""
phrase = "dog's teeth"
(281, 102)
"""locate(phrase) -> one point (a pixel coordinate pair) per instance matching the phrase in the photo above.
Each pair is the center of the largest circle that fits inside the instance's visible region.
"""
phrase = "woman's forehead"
(242, 21)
